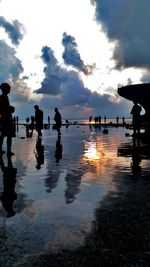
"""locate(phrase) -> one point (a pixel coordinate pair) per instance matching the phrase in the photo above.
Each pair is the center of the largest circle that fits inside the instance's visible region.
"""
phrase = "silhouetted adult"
(7, 125)
(99, 119)
(58, 121)
(117, 119)
(8, 196)
(136, 110)
(48, 118)
(90, 119)
(123, 120)
(38, 120)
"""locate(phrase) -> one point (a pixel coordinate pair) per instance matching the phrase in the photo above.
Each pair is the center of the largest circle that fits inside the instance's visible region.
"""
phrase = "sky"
(73, 54)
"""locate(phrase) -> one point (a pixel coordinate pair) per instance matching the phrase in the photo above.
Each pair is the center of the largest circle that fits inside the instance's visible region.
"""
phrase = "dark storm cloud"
(54, 74)
(65, 89)
(11, 66)
(14, 30)
(74, 92)
(127, 22)
(71, 55)
(59, 81)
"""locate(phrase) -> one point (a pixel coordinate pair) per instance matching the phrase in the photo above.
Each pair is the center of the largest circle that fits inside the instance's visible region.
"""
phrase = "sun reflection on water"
(94, 150)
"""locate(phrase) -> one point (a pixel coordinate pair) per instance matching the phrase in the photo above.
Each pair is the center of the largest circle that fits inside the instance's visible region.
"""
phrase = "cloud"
(74, 91)
(21, 92)
(10, 65)
(72, 57)
(55, 75)
(127, 23)
(65, 89)
(14, 30)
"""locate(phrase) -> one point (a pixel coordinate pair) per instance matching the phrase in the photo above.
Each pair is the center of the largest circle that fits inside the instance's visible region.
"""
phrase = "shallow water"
(59, 184)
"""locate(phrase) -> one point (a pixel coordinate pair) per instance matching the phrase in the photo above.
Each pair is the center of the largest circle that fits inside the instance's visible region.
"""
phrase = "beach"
(79, 200)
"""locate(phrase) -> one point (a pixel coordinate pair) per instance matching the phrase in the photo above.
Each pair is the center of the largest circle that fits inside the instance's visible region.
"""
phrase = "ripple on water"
(59, 184)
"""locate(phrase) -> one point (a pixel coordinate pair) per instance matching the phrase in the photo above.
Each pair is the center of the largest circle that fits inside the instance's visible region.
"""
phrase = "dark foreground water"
(53, 187)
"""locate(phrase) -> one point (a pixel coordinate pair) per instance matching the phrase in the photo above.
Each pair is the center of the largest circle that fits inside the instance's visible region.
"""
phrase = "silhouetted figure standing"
(117, 120)
(48, 118)
(38, 119)
(96, 120)
(6, 121)
(17, 120)
(123, 120)
(8, 196)
(58, 121)
(136, 109)
(99, 119)
(90, 119)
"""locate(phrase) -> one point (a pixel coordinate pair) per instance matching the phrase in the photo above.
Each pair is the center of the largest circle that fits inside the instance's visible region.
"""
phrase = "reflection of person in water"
(136, 160)
(58, 151)
(8, 196)
(39, 153)
(73, 182)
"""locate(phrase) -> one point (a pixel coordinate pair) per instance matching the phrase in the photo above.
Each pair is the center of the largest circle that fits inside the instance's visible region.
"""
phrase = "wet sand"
(119, 234)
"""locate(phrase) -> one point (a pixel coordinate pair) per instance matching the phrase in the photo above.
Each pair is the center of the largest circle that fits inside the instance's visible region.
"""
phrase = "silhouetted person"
(99, 119)
(136, 109)
(7, 125)
(58, 151)
(67, 123)
(96, 120)
(27, 120)
(17, 120)
(123, 120)
(104, 119)
(39, 154)
(38, 119)
(90, 119)
(117, 119)
(58, 121)
(48, 119)
(8, 196)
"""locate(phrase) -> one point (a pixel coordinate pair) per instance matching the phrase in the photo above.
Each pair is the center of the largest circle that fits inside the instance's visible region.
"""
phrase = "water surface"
(58, 185)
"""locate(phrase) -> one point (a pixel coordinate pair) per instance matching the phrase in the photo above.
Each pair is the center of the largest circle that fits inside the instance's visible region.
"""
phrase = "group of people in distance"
(7, 127)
